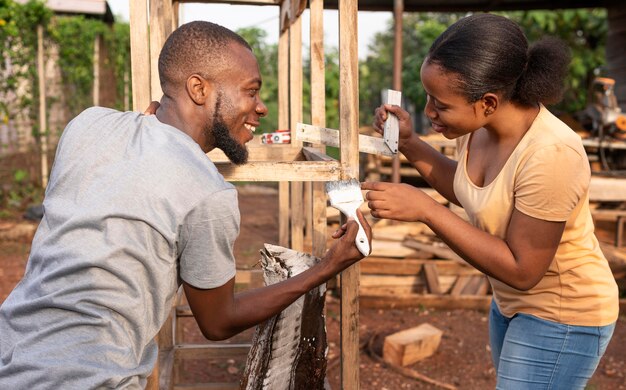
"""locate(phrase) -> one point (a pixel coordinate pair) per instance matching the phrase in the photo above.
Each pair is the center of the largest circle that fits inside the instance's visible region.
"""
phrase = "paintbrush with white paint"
(346, 196)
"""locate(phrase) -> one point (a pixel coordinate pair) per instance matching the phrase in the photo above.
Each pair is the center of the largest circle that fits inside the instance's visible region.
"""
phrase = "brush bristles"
(343, 191)
(341, 185)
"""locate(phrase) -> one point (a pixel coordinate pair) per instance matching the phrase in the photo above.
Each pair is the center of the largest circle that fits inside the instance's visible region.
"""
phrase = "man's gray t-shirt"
(132, 206)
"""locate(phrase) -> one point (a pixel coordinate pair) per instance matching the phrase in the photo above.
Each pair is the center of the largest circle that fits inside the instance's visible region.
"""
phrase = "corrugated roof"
(476, 5)
(94, 8)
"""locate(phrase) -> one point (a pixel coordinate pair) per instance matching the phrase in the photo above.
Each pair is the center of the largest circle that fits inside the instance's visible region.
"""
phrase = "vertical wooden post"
(283, 124)
(295, 110)
(349, 143)
(398, 9)
(43, 127)
(175, 14)
(318, 118)
(96, 70)
(160, 29)
(139, 54)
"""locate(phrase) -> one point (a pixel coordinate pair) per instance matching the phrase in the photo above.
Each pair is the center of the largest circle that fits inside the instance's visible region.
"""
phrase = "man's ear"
(198, 88)
(489, 103)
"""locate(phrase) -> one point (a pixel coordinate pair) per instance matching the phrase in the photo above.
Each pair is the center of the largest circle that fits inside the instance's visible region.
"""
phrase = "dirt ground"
(462, 359)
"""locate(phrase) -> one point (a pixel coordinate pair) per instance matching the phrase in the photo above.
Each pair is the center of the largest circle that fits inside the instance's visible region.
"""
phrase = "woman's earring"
(488, 111)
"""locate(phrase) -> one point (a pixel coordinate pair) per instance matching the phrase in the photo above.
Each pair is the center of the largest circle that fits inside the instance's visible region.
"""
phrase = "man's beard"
(236, 153)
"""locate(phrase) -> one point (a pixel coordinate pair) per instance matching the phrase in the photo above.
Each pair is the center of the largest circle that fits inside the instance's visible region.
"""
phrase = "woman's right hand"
(404, 121)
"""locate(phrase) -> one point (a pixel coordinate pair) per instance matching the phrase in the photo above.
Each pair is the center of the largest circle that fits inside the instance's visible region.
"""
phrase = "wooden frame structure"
(300, 169)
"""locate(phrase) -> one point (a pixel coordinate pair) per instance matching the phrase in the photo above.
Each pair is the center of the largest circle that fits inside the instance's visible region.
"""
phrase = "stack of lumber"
(411, 267)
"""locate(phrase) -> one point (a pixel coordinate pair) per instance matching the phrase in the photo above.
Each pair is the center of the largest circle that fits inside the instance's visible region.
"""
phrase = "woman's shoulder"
(549, 130)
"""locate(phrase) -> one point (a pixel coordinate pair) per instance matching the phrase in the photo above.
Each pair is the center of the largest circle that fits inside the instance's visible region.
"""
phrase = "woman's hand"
(404, 121)
(398, 201)
(152, 108)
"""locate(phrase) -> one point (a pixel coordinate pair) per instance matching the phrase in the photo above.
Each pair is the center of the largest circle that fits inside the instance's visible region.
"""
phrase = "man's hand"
(344, 252)
(152, 108)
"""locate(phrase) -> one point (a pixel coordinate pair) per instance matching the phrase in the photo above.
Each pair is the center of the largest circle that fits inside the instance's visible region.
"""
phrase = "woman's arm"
(520, 260)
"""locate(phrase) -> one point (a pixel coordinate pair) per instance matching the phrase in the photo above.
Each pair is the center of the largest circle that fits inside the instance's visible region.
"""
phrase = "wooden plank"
(160, 29)
(349, 142)
(331, 137)
(263, 152)
(313, 154)
(208, 386)
(140, 54)
(411, 345)
(166, 364)
(439, 251)
(284, 215)
(43, 126)
(432, 278)
(391, 249)
(399, 231)
(473, 302)
(244, 2)
(281, 171)
(295, 116)
(318, 117)
(283, 123)
(297, 213)
(210, 351)
(460, 284)
(386, 266)
(607, 189)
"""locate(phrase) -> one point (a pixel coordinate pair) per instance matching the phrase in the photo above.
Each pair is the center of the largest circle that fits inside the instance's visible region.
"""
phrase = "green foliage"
(18, 54)
(585, 32)
(331, 86)
(118, 42)
(75, 36)
(20, 193)
(267, 57)
(376, 71)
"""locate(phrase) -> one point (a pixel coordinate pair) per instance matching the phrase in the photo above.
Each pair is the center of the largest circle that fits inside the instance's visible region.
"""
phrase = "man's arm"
(220, 313)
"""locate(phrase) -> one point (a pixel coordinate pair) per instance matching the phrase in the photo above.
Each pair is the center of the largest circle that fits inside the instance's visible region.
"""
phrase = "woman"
(522, 177)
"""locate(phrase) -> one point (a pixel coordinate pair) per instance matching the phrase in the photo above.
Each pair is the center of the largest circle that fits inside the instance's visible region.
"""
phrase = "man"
(133, 209)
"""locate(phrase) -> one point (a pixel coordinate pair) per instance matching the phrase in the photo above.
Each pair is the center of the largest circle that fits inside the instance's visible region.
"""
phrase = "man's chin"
(239, 157)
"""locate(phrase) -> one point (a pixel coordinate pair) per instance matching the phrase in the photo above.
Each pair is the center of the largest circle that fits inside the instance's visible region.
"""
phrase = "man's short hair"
(195, 48)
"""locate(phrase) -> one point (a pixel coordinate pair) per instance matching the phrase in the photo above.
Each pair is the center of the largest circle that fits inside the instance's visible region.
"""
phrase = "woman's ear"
(198, 89)
(489, 103)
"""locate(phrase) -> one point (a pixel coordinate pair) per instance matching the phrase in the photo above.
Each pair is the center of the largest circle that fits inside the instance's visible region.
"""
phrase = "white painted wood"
(330, 137)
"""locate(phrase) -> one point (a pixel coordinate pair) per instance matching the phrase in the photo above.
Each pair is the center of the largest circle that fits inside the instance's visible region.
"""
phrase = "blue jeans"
(530, 353)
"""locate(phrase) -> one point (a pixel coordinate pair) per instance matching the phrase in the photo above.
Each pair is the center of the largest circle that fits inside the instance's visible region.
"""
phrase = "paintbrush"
(346, 196)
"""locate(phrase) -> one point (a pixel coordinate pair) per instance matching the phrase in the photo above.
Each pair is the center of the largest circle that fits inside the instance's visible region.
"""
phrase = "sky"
(266, 17)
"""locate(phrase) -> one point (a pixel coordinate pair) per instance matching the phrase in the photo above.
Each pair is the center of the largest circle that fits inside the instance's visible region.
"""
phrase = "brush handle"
(361, 241)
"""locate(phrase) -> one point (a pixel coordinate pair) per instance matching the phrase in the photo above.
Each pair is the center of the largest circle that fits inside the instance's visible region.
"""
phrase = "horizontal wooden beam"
(478, 302)
(330, 137)
(208, 386)
(607, 189)
(235, 2)
(313, 154)
(281, 171)
(210, 351)
(263, 152)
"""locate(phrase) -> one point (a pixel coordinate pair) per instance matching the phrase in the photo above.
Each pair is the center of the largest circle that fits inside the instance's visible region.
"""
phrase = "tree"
(419, 31)
(583, 30)
(267, 57)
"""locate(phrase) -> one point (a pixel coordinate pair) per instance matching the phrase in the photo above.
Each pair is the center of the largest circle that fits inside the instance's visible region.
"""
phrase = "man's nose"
(261, 109)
